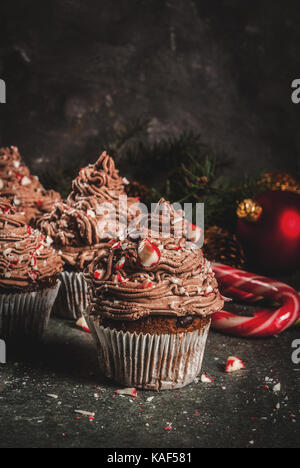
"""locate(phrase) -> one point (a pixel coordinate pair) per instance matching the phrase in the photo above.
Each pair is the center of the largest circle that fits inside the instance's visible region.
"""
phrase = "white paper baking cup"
(26, 315)
(73, 297)
(150, 362)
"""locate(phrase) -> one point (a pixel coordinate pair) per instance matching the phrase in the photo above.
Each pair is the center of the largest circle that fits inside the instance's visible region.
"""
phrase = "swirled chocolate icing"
(9, 218)
(100, 181)
(179, 282)
(23, 189)
(27, 260)
(83, 226)
(77, 232)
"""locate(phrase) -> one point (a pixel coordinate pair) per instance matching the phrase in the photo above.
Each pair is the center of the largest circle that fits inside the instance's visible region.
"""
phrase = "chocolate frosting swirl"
(8, 216)
(181, 283)
(27, 259)
(23, 189)
(77, 232)
(101, 181)
(82, 226)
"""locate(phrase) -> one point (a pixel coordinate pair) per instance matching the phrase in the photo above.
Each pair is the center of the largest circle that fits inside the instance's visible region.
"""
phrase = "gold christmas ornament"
(249, 210)
(222, 246)
(280, 181)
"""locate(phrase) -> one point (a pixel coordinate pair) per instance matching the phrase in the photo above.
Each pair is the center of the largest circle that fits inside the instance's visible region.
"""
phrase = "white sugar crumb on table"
(85, 413)
(150, 399)
(277, 388)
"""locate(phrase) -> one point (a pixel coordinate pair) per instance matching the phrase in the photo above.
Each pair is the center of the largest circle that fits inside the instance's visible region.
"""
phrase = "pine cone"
(280, 181)
(222, 246)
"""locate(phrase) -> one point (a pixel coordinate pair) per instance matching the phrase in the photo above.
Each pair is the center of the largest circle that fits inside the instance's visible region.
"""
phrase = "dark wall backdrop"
(78, 72)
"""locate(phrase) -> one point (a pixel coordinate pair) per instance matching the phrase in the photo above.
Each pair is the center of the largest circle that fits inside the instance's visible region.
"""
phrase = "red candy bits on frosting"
(149, 254)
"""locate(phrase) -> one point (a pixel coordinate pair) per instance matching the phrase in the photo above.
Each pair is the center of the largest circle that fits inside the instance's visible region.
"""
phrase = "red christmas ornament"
(271, 238)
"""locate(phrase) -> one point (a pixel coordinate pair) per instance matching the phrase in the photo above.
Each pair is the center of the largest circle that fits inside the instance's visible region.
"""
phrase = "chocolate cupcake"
(152, 297)
(29, 272)
(22, 189)
(83, 227)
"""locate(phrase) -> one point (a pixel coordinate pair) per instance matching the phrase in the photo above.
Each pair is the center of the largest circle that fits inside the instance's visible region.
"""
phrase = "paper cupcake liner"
(150, 362)
(73, 297)
(26, 315)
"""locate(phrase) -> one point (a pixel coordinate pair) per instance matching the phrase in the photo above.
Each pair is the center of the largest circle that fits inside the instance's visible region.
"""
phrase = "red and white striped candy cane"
(241, 285)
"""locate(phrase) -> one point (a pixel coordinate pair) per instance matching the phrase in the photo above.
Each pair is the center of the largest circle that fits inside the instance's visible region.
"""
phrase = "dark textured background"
(77, 72)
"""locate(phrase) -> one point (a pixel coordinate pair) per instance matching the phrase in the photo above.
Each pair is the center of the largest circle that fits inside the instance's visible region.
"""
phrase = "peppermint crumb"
(85, 413)
(277, 388)
(174, 280)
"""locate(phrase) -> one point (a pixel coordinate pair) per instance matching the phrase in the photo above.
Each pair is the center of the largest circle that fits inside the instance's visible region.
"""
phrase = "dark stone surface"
(235, 411)
(76, 72)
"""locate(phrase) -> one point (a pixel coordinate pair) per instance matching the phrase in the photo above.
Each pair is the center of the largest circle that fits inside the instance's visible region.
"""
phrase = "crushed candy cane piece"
(128, 392)
(145, 285)
(234, 364)
(209, 290)
(25, 181)
(194, 233)
(91, 213)
(149, 254)
(99, 274)
(81, 323)
(120, 265)
(85, 413)
(119, 279)
(206, 379)
(33, 275)
(277, 388)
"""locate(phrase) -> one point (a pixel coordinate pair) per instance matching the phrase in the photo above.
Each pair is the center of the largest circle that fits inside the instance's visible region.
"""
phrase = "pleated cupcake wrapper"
(150, 362)
(26, 315)
(73, 297)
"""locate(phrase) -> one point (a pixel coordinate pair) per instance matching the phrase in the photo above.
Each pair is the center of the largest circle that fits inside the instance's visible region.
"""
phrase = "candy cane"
(248, 287)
